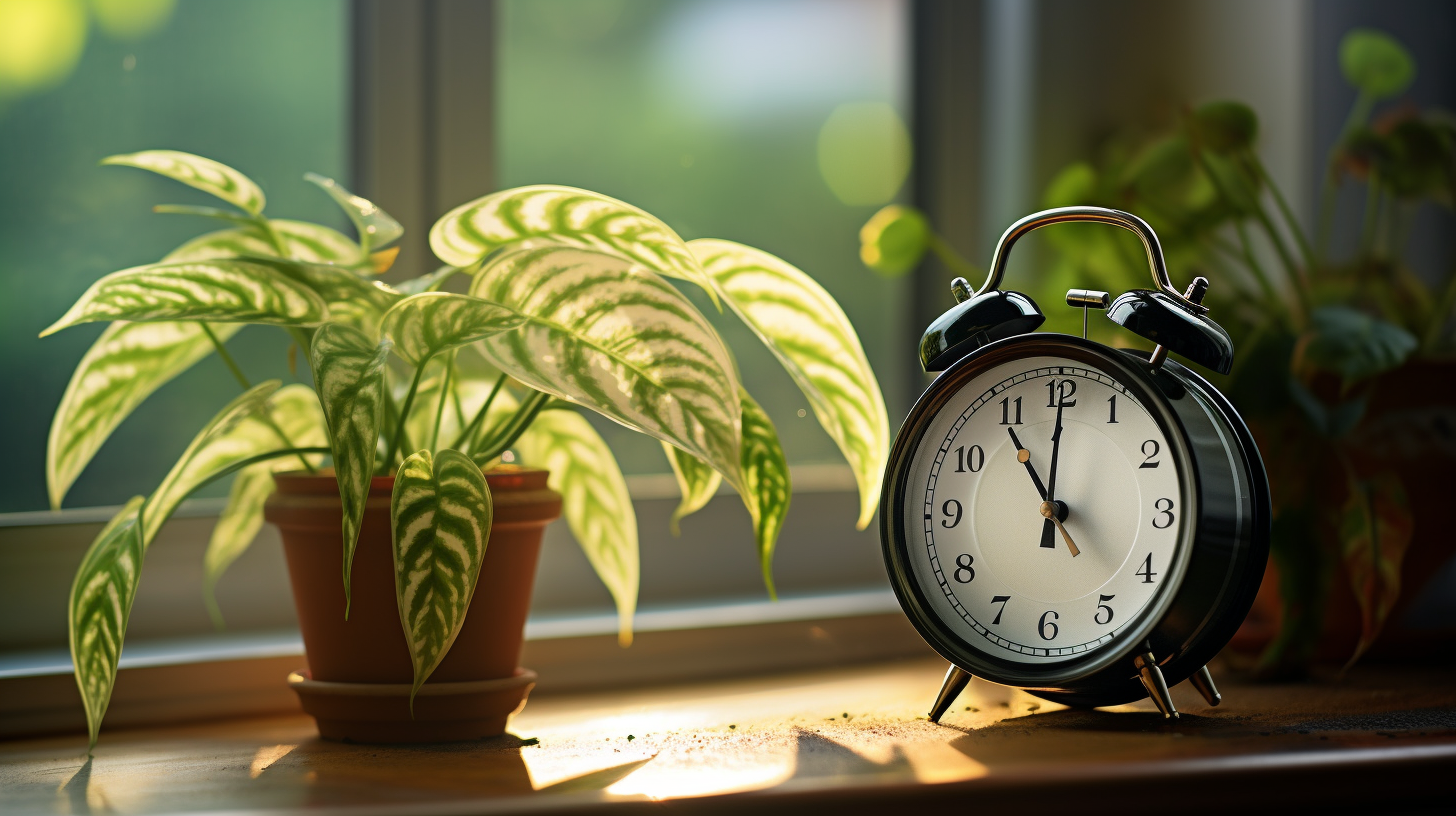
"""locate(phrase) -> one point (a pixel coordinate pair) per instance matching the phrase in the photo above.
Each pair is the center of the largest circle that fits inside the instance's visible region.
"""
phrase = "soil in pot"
(359, 671)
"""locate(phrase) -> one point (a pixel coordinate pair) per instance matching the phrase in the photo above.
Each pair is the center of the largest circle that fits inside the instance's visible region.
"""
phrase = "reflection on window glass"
(777, 123)
(260, 85)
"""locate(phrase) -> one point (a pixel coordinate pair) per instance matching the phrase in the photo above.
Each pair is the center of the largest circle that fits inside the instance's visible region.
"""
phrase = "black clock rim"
(1061, 675)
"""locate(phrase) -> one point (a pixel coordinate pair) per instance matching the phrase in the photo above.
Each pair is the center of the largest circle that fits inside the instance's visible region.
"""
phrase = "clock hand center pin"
(1049, 509)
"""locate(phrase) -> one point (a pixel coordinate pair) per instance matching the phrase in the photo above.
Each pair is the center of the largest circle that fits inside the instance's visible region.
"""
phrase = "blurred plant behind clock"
(1345, 352)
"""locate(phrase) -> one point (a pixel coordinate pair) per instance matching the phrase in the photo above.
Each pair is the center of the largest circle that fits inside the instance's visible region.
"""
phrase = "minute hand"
(1048, 529)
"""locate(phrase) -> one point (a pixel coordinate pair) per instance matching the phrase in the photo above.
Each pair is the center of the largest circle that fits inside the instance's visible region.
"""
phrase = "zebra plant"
(569, 306)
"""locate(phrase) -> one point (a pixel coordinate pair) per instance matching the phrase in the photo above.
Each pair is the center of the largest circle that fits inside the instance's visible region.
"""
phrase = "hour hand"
(1024, 457)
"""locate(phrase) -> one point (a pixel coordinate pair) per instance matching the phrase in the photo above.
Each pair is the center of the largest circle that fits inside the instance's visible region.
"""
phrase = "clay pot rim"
(301, 679)
(505, 478)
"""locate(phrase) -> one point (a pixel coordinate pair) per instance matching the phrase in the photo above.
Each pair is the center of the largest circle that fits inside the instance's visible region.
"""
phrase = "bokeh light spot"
(132, 19)
(40, 42)
(864, 153)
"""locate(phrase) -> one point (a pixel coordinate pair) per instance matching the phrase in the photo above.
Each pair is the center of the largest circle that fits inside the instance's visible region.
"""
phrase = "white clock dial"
(993, 567)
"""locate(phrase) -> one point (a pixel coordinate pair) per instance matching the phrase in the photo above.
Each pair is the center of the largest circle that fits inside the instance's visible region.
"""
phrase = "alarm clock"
(1084, 522)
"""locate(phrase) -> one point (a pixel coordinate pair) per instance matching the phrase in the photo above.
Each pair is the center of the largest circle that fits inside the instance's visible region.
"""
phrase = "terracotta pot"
(359, 671)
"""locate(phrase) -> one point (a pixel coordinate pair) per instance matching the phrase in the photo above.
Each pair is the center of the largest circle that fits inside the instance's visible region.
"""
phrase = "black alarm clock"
(1087, 523)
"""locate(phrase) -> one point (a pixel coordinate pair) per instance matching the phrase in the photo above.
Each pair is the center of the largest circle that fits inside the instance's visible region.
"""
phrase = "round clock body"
(1161, 509)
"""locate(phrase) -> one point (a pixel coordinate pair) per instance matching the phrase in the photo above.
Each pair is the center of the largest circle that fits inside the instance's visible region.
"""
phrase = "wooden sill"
(850, 739)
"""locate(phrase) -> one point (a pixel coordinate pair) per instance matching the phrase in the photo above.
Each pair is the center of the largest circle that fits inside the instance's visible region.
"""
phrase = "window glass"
(261, 85)
(776, 123)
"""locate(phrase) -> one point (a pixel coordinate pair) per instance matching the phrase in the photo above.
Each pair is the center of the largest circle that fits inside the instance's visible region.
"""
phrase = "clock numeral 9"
(975, 459)
(1165, 513)
(963, 565)
(951, 507)
(1102, 605)
(1043, 625)
(1060, 392)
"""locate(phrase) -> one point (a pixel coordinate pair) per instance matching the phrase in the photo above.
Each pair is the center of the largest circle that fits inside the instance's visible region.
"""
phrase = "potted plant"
(1342, 360)
(416, 395)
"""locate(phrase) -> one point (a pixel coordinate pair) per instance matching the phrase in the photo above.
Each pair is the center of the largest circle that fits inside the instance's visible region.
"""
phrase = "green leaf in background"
(595, 501)
(304, 241)
(441, 511)
(813, 339)
(894, 240)
(100, 604)
(237, 433)
(766, 483)
(224, 291)
(376, 227)
(427, 282)
(1075, 184)
(611, 335)
(1375, 63)
(348, 373)
(1353, 344)
(697, 482)
(1375, 530)
(548, 214)
(1226, 127)
(351, 300)
(426, 324)
(296, 411)
(122, 368)
(206, 175)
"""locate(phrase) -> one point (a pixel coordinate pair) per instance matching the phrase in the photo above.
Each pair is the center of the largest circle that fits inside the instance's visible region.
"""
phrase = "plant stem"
(1359, 112)
(1305, 251)
(504, 438)
(1254, 266)
(1440, 315)
(468, 432)
(1372, 217)
(272, 235)
(952, 259)
(243, 381)
(444, 397)
(409, 399)
(253, 460)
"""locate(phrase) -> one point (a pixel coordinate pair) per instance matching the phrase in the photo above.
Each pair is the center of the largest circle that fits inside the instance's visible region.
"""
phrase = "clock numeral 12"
(1060, 392)
(1006, 411)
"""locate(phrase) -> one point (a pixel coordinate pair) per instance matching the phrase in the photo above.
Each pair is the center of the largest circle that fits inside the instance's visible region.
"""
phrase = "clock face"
(1022, 441)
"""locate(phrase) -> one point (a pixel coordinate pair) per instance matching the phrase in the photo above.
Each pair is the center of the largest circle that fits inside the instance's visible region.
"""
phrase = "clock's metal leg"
(1203, 681)
(955, 682)
(1157, 687)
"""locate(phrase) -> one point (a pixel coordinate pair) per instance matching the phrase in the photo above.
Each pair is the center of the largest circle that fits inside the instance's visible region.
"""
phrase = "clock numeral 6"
(1165, 513)
(951, 507)
(1043, 625)
(963, 566)
(1102, 606)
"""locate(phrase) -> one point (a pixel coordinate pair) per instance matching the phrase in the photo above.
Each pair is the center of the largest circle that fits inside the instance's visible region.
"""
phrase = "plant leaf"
(766, 483)
(894, 240)
(99, 607)
(1375, 63)
(121, 369)
(441, 511)
(696, 480)
(217, 213)
(304, 241)
(427, 282)
(351, 299)
(224, 291)
(204, 174)
(595, 501)
(805, 328)
(426, 324)
(1355, 345)
(1375, 531)
(547, 214)
(348, 373)
(376, 227)
(609, 334)
(294, 409)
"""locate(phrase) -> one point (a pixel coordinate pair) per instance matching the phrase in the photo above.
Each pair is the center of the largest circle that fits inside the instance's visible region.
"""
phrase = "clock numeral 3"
(951, 507)
(974, 459)
(1165, 514)
(1006, 411)
(1000, 599)
(963, 565)
(1102, 606)
(1148, 455)
(1061, 391)
(1147, 571)
(1043, 625)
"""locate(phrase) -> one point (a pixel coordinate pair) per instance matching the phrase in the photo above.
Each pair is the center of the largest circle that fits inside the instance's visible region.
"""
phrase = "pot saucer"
(443, 712)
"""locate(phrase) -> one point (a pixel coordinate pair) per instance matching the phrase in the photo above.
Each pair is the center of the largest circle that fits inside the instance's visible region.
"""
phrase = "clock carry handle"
(1095, 215)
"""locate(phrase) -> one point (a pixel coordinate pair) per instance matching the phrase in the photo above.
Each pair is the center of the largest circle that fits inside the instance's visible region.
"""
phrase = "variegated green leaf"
(595, 501)
(426, 324)
(348, 373)
(613, 336)
(766, 483)
(429, 282)
(697, 482)
(237, 433)
(375, 226)
(351, 299)
(441, 511)
(206, 175)
(99, 607)
(295, 410)
(122, 368)
(805, 328)
(303, 241)
(223, 291)
(547, 214)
